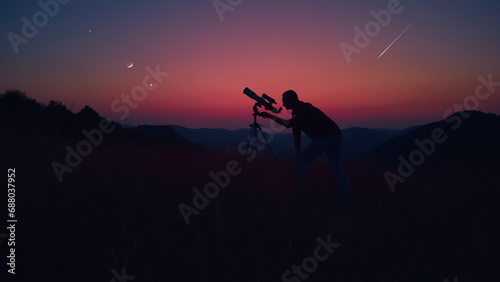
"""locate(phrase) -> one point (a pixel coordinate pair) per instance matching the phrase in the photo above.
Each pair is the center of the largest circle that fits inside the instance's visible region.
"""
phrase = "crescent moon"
(130, 65)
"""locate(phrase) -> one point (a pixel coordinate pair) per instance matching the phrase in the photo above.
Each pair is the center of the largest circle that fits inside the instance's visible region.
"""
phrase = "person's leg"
(316, 147)
(333, 152)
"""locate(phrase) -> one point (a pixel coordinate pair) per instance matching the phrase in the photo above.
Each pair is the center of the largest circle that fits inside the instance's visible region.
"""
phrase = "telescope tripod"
(254, 132)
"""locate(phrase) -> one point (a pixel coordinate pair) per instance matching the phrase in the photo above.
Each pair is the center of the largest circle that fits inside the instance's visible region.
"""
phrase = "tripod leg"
(272, 151)
(253, 132)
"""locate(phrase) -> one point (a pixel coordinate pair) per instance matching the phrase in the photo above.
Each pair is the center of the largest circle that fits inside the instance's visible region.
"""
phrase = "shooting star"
(394, 41)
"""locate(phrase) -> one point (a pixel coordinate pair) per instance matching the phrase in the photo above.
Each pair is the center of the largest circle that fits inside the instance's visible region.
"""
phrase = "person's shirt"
(312, 121)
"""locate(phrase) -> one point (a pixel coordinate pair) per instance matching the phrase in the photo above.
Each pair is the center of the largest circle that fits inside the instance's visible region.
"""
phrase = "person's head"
(290, 100)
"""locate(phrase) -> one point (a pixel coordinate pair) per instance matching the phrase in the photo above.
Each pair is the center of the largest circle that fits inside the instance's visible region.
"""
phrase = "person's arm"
(287, 123)
(281, 121)
(278, 120)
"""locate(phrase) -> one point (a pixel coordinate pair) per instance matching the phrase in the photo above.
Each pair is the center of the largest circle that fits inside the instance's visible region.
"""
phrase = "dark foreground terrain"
(116, 215)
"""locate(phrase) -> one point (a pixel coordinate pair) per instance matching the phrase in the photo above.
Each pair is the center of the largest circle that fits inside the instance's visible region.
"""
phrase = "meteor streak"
(394, 41)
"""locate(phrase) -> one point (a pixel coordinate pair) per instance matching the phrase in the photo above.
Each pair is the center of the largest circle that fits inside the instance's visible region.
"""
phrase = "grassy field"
(116, 215)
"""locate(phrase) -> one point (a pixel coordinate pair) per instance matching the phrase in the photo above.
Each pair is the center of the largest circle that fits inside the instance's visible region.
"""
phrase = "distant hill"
(396, 132)
(478, 136)
(454, 159)
(356, 141)
(216, 139)
(23, 116)
(163, 134)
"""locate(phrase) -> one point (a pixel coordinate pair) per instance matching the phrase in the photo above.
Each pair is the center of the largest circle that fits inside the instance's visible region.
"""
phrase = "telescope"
(264, 101)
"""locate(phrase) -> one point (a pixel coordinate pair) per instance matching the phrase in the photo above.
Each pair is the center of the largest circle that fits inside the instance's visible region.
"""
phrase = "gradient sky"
(269, 46)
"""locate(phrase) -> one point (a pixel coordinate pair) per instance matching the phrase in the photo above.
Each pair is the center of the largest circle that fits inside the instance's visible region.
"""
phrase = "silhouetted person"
(324, 133)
